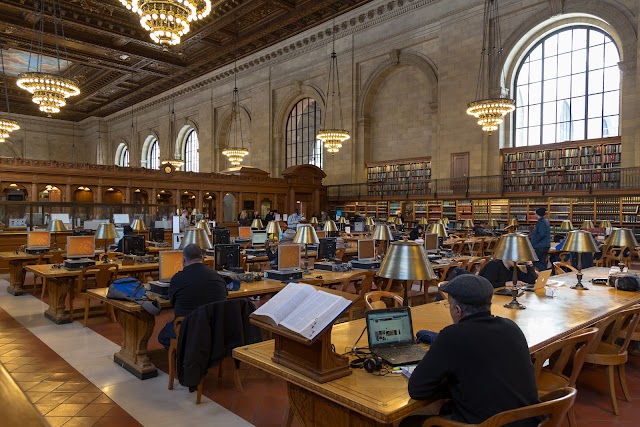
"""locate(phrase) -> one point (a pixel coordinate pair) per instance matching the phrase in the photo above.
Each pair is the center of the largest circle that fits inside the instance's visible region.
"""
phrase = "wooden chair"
(478, 264)
(570, 351)
(560, 267)
(373, 300)
(362, 282)
(490, 247)
(565, 256)
(602, 261)
(340, 252)
(605, 351)
(553, 405)
(101, 277)
(112, 256)
(56, 257)
(458, 247)
(617, 255)
(243, 262)
(462, 261)
(477, 248)
(444, 272)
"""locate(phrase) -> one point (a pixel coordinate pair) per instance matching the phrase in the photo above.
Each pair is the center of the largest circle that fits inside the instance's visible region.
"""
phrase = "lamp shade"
(106, 231)
(138, 225)
(370, 221)
(445, 220)
(406, 261)
(274, 228)
(580, 241)
(330, 226)
(391, 220)
(398, 221)
(493, 223)
(306, 234)
(566, 225)
(515, 247)
(56, 226)
(438, 229)
(587, 225)
(467, 223)
(423, 221)
(197, 236)
(605, 223)
(204, 225)
(343, 220)
(513, 222)
(382, 232)
(622, 237)
(314, 221)
(257, 223)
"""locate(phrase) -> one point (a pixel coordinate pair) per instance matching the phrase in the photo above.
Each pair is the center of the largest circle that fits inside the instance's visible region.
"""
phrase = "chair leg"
(200, 388)
(612, 388)
(571, 416)
(623, 383)
(236, 375)
(172, 366)
(86, 310)
(287, 420)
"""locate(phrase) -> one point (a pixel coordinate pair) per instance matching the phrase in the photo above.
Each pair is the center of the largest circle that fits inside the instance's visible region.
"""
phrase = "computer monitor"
(81, 247)
(321, 234)
(288, 257)
(327, 248)
(366, 249)
(244, 232)
(258, 237)
(38, 239)
(133, 244)
(221, 236)
(121, 219)
(156, 234)
(169, 263)
(431, 241)
(358, 227)
(227, 256)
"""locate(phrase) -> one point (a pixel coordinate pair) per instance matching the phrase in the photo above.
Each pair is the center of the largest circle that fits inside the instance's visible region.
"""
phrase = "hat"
(541, 211)
(469, 289)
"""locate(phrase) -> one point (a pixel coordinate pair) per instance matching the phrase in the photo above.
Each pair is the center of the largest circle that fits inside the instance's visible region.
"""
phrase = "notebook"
(541, 281)
(390, 335)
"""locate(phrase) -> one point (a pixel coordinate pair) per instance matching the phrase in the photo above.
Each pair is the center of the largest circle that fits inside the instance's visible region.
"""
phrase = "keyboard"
(403, 355)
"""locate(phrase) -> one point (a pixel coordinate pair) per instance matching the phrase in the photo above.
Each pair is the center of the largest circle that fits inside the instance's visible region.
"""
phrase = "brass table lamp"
(580, 241)
(445, 220)
(406, 261)
(566, 225)
(138, 226)
(605, 223)
(314, 221)
(306, 234)
(56, 226)
(257, 223)
(382, 233)
(587, 225)
(106, 231)
(343, 223)
(330, 228)
(513, 224)
(274, 230)
(205, 226)
(517, 248)
(423, 221)
(370, 223)
(622, 237)
(468, 224)
(197, 236)
(493, 223)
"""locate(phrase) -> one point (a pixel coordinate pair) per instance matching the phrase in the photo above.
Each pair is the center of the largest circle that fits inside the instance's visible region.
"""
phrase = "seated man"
(481, 361)
(480, 230)
(500, 273)
(417, 233)
(192, 287)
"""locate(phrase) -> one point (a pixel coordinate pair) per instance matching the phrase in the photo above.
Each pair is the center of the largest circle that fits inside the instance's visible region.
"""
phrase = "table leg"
(16, 277)
(57, 311)
(133, 356)
(313, 410)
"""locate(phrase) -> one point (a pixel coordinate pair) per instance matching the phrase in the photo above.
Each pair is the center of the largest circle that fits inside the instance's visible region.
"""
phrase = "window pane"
(595, 38)
(612, 78)
(534, 115)
(564, 41)
(577, 130)
(522, 117)
(611, 103)
(523, 95)
(523, 76)
(535, 71)
(536, 53)
(564, 65)
(611, 56)
(563, 132)
(551, 46)
(579, 39)
(596, 57)
(549, 134)
(594, 128)
(563, 111)
(579, 61)
(535, 93)
(595, 106)
(551, 68)
(578, 110)
(534, 135)
(595, 81)
(550, 90)
(564, 88)
(548, 113)
(521, 137)
(610, 126)
(578, 82)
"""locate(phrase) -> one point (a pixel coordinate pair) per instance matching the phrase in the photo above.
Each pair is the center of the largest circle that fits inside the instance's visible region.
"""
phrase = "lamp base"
(514, 304)
(579, 286)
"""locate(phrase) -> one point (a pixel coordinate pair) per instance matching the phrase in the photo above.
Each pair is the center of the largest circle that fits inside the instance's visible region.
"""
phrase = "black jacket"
(484, 363)
(498, 274)
(209, 334)
(194, 286)
(415, 234)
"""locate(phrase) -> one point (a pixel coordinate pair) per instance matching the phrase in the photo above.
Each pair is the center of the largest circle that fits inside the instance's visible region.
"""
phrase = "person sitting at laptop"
(500, 273)
(481, 361)
(417, 233)
(192, 287)
(481, 230)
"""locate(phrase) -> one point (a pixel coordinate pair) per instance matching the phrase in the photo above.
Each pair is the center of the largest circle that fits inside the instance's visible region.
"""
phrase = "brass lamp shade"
(370, 221)
(566, 225)
(204, 225)
(406, 261)
(306, 234)
(342, 220)
(56, 226)
(314, 221)
(493, 223)
(467, 223)
(423, 221)
(197, 236)
(138, 226)
(605, 223)
(330, 226)
(106, 231)
(391, 220)
(438, 229)
(274, 228)
(257, 223)
(445, 220)
(587, 225)
(580, 241)
(622, 237)
(398, 221)
(513, 222)
(515, 247)
(382, 232)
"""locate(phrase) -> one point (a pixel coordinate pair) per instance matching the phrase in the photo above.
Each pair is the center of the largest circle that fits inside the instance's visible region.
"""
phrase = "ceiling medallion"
(168, 20)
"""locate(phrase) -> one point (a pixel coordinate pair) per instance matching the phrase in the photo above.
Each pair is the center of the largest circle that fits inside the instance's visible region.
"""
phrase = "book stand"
(313, 358)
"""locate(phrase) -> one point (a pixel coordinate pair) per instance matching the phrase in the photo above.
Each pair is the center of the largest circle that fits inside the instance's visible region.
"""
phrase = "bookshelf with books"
(449, 210)
(519, 209)
(499, 210)
(608, 208)
(464, 210)
(559, 209)
(629, 209)
(480, 210)
(434, 210)
(399, 177)
(420, 210)
(582, 209)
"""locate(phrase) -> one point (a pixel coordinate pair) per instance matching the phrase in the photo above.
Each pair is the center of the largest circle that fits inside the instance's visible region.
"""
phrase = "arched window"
(122, 155)
(303, 124)
(191, 157)
(153, 158)
(568, 88)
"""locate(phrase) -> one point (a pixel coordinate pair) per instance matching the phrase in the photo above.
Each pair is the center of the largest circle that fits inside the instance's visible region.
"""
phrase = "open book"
(302, 309)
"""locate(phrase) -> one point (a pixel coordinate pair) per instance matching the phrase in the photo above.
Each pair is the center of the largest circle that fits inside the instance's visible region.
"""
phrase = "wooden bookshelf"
(400, 177)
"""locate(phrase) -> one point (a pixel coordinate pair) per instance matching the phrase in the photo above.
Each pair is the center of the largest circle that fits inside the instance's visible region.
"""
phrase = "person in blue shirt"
(541, 239)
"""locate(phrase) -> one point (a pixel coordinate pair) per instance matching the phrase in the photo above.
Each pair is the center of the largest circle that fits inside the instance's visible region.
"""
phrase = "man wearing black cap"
(481, 360)
(541, 239)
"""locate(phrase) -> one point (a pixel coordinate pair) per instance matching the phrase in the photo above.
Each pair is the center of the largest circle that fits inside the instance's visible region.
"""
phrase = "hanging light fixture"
(333, 136)
(7, 124)
(235, 153)
(173, 163)
(490, 111)
(168, 20)
(49, 91)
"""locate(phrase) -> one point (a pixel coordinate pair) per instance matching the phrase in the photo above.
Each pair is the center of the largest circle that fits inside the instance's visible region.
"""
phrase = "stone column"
(362, 149)
(276, 154)
(628, 114)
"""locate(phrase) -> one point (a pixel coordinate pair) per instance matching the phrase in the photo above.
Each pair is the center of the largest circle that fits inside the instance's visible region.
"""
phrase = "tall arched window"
(122, 155)
(568, 88)
(191, 157)
(303, 124)
(153, 159)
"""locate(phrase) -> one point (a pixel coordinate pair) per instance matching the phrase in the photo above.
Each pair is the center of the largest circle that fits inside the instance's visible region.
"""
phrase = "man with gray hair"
(481, 361)
(192, 287)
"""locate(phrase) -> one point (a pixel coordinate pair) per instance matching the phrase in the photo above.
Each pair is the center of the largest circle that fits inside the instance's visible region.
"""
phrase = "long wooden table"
(363, 399)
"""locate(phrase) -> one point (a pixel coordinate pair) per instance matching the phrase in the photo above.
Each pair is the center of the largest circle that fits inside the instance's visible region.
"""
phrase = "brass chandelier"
(7, 124)
(235, 153)
(168, 20)
(49, 91)
(332, 136)
(489, 111)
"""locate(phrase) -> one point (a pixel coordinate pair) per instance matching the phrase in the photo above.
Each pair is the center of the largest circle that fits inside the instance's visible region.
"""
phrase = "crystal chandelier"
(168, 20)
(234, 153)
(172, 163)
(489, 111)
(49, 91)
(332, 136)
(7, 124)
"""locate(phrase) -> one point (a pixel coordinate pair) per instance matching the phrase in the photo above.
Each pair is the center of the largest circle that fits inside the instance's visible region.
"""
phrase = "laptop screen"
(258, 237)
(38, 238)
(366, 249)
(169, 263)
(389, 326)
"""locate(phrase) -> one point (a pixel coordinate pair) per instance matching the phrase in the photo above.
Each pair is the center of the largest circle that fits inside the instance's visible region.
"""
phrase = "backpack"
(130, 289)
(627, 283)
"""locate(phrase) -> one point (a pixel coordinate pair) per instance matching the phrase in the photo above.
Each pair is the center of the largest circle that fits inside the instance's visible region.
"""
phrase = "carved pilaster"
(627, 68)
(556, 6)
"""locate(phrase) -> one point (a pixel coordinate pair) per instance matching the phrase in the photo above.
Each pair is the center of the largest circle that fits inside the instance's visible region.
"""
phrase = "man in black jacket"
(192, 287)
(500, 273)
(481, 360)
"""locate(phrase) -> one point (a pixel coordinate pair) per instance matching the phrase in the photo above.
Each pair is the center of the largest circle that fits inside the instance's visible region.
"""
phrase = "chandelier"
(235, 153)
(7, 124)
(49, 91)
(172, 163)
(332, 136)
(490, 111)
(168, 20)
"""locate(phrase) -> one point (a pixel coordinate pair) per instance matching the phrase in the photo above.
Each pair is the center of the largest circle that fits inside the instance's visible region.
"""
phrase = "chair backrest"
(574, 348)
(340, 252)
(103, 274)
(565, 256)
(458, 247)
(478, 264)
(490, 245)
(560, 267)
(442, 294)
(243, 262)
(373, 300)
(363, 281)
(477, 247)
(462, 261)
(610, 327)
(444, 272)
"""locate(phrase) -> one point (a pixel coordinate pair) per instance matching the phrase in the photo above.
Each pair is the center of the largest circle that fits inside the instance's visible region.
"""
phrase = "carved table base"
(16, 277)
(137, 328)
(57, 311)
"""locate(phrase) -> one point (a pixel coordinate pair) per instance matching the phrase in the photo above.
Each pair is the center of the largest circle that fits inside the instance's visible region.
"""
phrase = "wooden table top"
(13, 256)
(47, 270)
(386, 399)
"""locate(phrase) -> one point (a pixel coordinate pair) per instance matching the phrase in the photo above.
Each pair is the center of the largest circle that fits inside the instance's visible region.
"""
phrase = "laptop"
(541, 281)
(390, 333)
